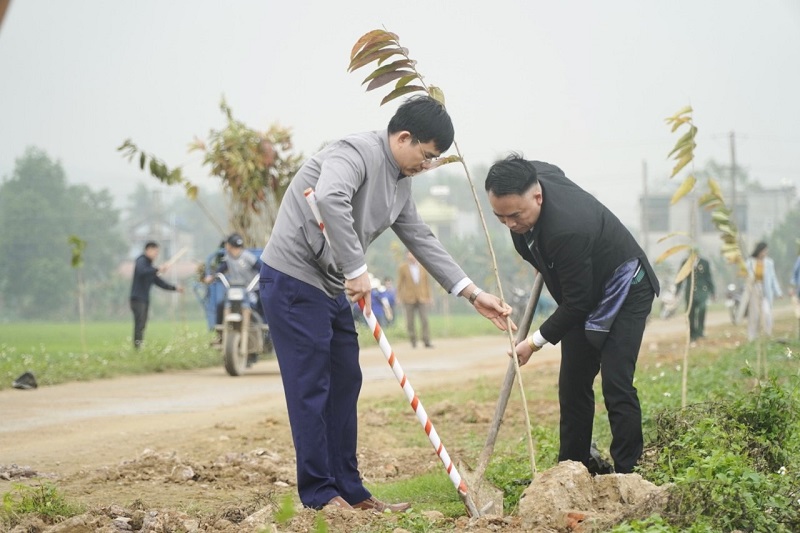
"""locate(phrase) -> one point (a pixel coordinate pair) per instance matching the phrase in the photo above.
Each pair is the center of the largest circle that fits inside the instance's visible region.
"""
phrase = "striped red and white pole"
(411, 396)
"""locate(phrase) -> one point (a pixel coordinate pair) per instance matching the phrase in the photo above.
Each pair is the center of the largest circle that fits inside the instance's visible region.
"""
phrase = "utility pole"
(645, 208)
(733, 173)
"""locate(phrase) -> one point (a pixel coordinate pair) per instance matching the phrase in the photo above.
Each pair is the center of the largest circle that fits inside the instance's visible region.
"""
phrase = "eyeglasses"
(427, 158)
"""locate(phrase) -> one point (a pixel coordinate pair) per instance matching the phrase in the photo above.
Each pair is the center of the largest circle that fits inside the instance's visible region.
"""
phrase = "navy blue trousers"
(616, 363)
(316, 344)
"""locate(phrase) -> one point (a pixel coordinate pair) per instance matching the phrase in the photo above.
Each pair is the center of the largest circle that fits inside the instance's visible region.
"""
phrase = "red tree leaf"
(383, 79)
(371, 37)
(381, 53)
(400, 63)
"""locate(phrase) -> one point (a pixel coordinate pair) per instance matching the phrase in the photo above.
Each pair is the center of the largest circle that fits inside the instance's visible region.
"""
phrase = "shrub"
(732, 464)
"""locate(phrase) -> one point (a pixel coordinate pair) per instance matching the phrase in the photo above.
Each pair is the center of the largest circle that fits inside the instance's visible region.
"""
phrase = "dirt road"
(199, 447)
(75, 426)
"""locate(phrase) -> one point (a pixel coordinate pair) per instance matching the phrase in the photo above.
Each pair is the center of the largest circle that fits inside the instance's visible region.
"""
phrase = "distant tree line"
(39, 211)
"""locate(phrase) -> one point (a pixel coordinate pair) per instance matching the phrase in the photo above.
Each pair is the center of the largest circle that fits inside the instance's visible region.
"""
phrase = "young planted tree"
(255, 168)
(379, 46)
(77, 246)
(712, 200)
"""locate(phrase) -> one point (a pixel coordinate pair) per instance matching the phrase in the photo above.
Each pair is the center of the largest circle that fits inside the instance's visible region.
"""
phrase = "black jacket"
(703, 282)
(578, 245)
(144, 275)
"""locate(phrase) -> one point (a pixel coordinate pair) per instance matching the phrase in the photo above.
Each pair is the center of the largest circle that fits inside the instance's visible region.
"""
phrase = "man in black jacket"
(604, 287)
(703, 290)
(144, 275)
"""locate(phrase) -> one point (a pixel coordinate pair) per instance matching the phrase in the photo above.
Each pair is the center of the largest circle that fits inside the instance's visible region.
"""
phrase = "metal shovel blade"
(488, 499)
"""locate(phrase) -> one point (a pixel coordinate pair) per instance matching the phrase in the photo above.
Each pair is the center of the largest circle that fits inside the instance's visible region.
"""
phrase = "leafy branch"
(157, 167)
(255, 168)
(712, 200)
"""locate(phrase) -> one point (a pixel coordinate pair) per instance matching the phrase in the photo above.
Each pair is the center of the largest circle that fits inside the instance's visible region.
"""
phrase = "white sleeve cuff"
(538, 340)
(355, 273)
(460, 286)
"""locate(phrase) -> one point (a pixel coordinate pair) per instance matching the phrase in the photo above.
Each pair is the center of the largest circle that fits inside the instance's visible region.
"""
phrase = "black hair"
(759, 248)
(512, 175)
(426, 120)
(150, 244)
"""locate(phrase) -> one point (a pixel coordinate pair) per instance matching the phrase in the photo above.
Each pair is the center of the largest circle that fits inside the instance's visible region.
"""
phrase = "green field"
(55, 353)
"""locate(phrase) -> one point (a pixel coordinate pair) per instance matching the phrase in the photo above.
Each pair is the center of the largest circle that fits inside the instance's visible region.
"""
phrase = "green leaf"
(383, 79)
(436, 93)
(708, 200)
(687, 137)
(726, 229)
(405, 80)
(449, 159)
(720, 216)
(142, 160)
(680, 122)
(685, 188)
(685, 160)
(395, 65)
(682, 111)
(154, 168)
(715, 188)
(400, 92)
(191, 191)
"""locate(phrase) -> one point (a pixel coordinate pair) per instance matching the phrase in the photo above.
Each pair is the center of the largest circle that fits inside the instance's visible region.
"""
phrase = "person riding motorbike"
(238, 265)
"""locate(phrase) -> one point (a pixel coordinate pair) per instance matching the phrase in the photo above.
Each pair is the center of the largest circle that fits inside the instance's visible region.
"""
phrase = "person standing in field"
(144, 276)
(414, 293)
(363, 187)
(763, 288)
(703, 290)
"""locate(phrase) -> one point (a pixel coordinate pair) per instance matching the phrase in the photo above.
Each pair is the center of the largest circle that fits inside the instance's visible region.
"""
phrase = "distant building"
(757, 213)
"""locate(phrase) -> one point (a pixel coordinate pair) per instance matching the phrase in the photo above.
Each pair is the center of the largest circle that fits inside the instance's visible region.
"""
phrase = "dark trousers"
(616, 361)
(316, 345)
(421, 309)
(139, 309)
(697, 318)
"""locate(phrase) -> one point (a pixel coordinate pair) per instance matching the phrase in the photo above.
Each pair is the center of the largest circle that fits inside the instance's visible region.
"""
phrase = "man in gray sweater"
(362, 188)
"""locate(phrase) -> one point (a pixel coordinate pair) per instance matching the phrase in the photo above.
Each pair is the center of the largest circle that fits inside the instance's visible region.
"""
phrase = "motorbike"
(519, 300)
(733, 299)
(244, 334)
(669, 302)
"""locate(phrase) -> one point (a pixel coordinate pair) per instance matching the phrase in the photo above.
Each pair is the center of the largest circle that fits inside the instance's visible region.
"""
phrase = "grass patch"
(441, 326)
(43, 501)
(429, 492)
(53, 351)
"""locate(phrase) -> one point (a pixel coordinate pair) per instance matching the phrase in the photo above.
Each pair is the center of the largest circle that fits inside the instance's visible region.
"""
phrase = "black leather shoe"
(597, 465)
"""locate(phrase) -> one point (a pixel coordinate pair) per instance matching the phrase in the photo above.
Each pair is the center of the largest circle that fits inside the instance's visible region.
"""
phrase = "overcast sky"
(583, 85)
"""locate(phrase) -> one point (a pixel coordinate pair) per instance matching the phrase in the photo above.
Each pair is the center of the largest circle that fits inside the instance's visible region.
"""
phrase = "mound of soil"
(567, 498)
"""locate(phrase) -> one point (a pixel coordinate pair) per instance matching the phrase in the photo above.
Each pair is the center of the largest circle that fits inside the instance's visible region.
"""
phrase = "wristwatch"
(474, 295)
